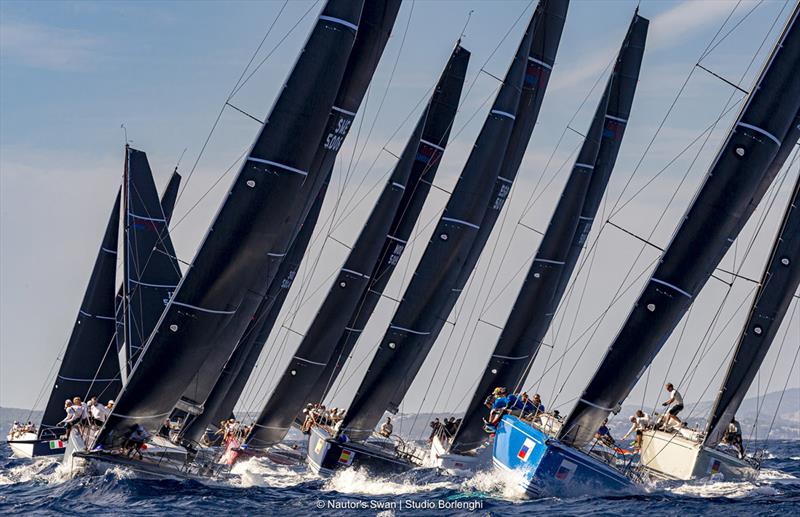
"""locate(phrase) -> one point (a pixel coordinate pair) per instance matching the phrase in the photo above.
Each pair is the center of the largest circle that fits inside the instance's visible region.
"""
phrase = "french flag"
(525, 451)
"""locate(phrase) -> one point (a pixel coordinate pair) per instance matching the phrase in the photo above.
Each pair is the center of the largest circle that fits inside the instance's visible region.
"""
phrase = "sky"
(73, 73)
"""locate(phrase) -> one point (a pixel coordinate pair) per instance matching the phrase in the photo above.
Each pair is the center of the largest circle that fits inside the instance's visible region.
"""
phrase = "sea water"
(259, 487)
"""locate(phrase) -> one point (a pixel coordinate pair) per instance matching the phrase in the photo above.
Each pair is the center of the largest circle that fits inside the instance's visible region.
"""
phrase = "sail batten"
(735, 182)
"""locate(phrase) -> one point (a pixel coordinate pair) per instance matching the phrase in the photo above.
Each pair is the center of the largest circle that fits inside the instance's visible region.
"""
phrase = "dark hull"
(326, 455)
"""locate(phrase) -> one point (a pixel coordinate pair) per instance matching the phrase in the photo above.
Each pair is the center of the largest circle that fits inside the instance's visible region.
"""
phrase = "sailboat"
(674, 454)
(235, 262)
(368, 267)
(566, 464)
(375, 26)
(89, 366)
(427, 300)
(554, 262)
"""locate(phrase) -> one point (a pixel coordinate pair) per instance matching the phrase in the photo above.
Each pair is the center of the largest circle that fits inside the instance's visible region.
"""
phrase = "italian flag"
(57, 444)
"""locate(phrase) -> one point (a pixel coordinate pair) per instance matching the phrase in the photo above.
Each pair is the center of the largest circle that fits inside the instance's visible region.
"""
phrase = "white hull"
(21, 450)
(672, 456)
(458, 464)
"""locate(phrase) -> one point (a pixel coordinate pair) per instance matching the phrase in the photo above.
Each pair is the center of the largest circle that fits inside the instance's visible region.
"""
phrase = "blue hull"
(549, 468)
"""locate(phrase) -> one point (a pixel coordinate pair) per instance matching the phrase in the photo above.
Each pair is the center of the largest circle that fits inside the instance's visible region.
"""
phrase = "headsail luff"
(418, 315)
(240, 364)
(170, 195)
(714, 218)
(168, 198)
(375, 25)
(317, 346)
(435, 135)
(89, 363)
(151, 272)
(778, 285)
(256, 220)
(558, 252)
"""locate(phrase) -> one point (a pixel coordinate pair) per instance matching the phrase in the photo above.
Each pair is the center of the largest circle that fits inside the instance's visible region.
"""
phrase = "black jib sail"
(316, 348)
(778, 285)
(256, 222)
(151, 272)
(439, 121)
(563, 241)
(240, 364)
(714, 219)
(170, 195)
(420, 313)
(375, 25)
(89, 363)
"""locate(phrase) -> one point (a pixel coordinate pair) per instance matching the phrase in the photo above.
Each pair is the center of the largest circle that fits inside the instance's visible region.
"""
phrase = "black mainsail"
(89, 361)
(375, 25)
(439, 121)
(151, 271)
(240, 364)
(558, 252)
(420, 312)
(315, 350)
(256, 221)
(773, 297)
(714, 219)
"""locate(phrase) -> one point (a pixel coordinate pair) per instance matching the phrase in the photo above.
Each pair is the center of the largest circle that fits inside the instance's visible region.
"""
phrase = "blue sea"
(257, 487)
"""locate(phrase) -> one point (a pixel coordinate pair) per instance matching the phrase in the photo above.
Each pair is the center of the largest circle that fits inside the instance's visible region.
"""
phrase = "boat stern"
(549, 467)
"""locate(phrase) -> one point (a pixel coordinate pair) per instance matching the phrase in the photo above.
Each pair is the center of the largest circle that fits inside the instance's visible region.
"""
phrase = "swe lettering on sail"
(335, 138)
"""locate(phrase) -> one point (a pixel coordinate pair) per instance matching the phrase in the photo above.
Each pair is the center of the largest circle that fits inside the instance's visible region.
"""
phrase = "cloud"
(666, 30)
(42, 46)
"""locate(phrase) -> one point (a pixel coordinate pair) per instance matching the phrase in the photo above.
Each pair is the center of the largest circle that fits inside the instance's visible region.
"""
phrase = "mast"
(89, 365)
(256, 221)
(417, 318)
(557, 256)
(435, 135)
(375, 25)
(779, 282)
(711, 223)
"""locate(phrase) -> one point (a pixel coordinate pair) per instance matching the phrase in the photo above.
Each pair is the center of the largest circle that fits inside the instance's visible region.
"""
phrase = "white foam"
(358, 481)
(39, 469)
(261, 472)
(506, 484)
(731, 489)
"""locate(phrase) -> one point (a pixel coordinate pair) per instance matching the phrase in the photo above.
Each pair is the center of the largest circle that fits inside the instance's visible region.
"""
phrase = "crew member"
(733, 436)
(676, 403)
(639, 422)
(386, 428)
